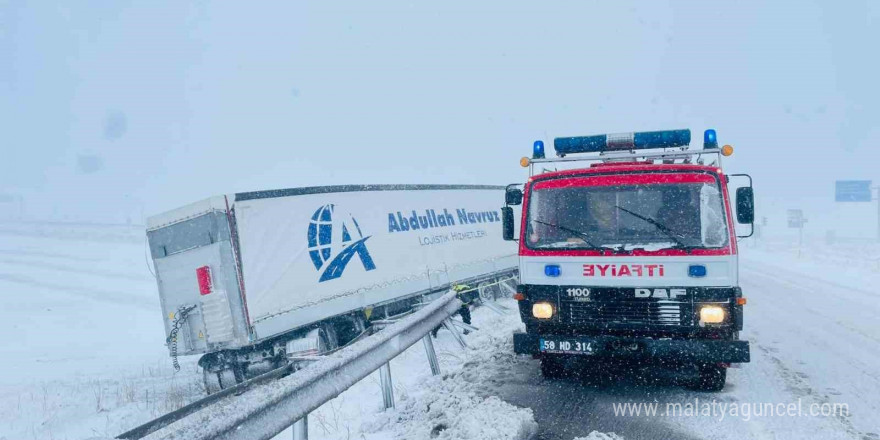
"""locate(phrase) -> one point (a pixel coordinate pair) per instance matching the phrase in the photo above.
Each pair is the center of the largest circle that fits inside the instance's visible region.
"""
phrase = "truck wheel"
(216, 381)
(218, 373)
(552, 368)
(228, 378)
(329, 337)
(711, 378)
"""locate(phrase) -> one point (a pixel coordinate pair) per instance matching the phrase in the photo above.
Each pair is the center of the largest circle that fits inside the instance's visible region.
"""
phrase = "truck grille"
(662, 312)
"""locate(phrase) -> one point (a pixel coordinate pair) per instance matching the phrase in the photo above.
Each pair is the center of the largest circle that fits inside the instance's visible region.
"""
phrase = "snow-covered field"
(83, 355)
(83, 348)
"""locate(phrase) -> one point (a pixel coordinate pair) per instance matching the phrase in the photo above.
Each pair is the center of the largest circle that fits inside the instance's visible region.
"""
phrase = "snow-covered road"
(815, 342)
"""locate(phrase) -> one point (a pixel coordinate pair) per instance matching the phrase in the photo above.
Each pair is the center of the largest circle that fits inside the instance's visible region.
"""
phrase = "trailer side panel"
(310, 255)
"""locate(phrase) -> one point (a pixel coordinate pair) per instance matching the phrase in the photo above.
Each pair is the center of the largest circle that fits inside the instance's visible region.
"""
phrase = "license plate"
(565, 346)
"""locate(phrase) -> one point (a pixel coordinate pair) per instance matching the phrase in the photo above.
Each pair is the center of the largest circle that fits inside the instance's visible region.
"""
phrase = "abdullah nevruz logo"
(333, 240)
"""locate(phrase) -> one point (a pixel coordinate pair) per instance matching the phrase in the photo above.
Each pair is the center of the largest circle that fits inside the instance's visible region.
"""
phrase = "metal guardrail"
(262, 410)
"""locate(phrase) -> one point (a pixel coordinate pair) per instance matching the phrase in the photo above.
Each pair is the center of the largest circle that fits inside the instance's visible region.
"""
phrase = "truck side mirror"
(745, 205)
(507, 223)
(513, 196)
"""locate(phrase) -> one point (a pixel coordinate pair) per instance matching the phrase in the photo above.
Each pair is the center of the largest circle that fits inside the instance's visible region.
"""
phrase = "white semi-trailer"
(253, 280)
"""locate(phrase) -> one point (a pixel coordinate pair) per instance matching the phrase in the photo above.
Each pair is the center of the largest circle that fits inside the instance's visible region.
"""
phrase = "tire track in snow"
(798, 384)
(80, 270)
(857, 338)
(31, 253)
(801, 278)
(832, 344)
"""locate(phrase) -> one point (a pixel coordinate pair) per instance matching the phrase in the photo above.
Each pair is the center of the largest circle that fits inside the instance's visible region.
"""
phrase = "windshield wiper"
(583, 235)
(660, 226)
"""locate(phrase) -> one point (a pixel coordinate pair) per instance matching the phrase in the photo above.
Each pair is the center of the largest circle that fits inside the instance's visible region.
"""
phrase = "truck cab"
(631, 255)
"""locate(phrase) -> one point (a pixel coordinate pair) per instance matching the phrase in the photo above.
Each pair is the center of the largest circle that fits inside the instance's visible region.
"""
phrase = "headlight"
(712, 315)
(542, 310)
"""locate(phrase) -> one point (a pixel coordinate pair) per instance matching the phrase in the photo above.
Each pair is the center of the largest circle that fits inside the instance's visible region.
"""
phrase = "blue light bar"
(538, 150)
(622, 141)
(710, 139)
(552, 270)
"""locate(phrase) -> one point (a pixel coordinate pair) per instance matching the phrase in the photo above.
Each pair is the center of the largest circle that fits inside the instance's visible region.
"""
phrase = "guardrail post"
(387, 390)
(300, 428)
(467, 327)
(506, 286)
(494, 308)
(455, 333)
(432, 355)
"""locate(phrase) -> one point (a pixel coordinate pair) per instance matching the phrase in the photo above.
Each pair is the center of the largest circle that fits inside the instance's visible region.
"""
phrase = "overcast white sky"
(110, 109)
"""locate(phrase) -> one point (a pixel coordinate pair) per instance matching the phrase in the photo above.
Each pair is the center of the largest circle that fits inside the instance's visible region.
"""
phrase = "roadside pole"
(847, 191)
(801, 236)
(796, 220)
(878, 210)
(387, 388)
(301, 429)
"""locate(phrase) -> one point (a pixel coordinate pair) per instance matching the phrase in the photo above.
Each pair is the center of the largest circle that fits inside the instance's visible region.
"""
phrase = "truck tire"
(228, 378)
(552, 367)
(711, 378)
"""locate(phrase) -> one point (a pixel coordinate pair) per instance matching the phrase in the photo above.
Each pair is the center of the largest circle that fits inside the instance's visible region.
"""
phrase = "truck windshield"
(627, 217)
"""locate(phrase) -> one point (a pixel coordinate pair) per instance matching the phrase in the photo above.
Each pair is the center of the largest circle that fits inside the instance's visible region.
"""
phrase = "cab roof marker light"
(710, 139)
(622, 141)
(538, 150)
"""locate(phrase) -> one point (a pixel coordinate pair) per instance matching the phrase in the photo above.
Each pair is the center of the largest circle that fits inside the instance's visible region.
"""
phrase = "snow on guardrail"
(266, 410)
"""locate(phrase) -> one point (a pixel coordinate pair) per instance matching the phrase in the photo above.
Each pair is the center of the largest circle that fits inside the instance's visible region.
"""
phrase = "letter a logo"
(333, 240)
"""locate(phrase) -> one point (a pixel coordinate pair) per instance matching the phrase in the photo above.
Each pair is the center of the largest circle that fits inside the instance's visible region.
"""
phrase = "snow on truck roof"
(649, 150)
(602, 168)
(219, 203)
(186, 212)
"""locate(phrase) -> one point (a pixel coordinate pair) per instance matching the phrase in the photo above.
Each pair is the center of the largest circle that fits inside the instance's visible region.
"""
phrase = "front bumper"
(678, 350)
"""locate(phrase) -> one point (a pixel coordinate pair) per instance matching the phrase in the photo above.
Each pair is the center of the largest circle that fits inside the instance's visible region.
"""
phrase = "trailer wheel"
(329, 336)
(552, 367)
(711, 378)
(346, 328)
(227, 378)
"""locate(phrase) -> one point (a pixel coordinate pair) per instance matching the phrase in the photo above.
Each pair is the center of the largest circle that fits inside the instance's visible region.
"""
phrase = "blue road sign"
(852, 191)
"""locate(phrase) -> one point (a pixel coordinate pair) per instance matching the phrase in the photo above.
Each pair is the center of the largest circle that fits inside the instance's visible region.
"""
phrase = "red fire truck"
(630, 254)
